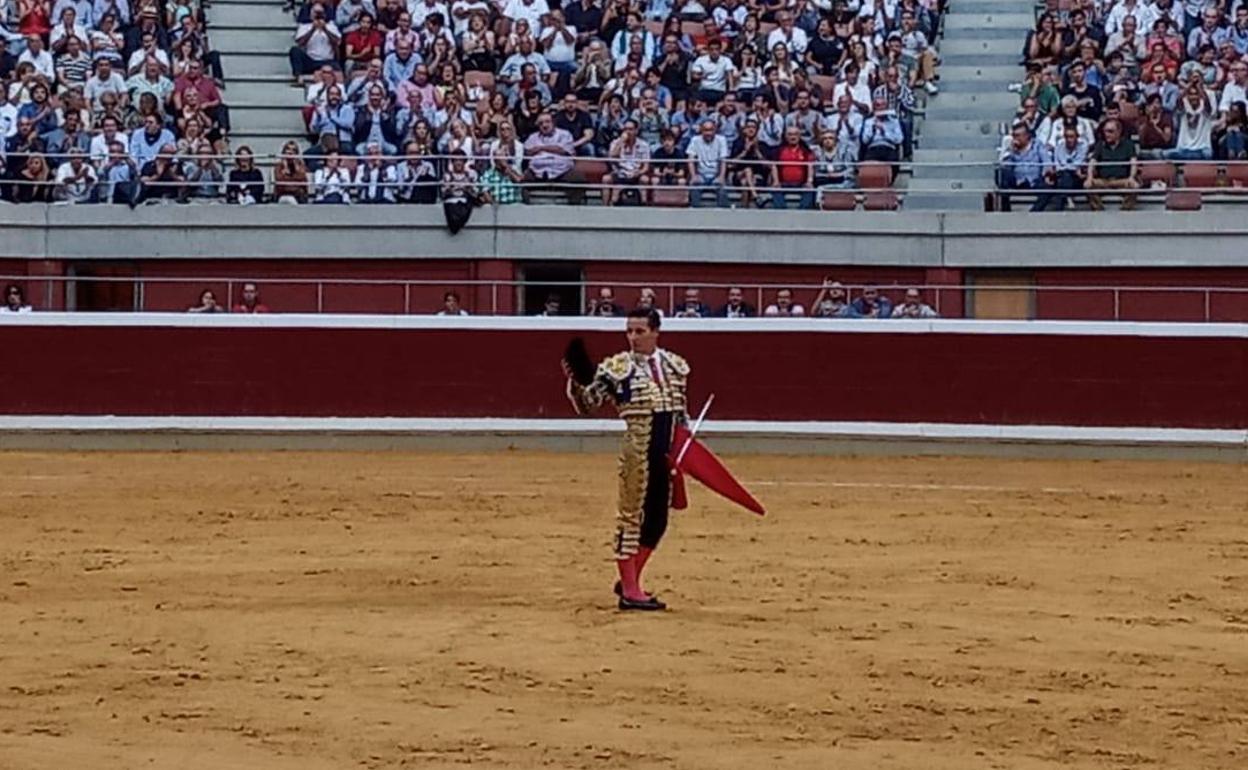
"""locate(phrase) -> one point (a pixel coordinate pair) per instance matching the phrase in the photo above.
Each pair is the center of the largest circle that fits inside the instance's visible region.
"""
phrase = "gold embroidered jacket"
(628, 380)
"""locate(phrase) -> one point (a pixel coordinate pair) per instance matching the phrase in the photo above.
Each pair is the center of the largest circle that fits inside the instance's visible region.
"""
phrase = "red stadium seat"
(671, 198)
(874, 176)
(1184, 200)
(1156, 171)
(1200, 175)
(839, 200)
(881, 200)
(1237, 174)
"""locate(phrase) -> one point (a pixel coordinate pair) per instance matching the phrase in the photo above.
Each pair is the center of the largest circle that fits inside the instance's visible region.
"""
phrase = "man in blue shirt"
(1022, 165)
(1066, 170)
(881, 134)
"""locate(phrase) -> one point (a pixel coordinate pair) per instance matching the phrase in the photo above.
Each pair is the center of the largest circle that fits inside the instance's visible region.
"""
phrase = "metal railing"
(396, 296)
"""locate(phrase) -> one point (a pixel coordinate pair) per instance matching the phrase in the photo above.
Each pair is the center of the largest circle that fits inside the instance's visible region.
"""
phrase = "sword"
(694, 430)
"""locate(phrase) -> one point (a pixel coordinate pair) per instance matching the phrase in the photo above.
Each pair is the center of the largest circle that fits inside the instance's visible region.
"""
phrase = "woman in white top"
(331, 183)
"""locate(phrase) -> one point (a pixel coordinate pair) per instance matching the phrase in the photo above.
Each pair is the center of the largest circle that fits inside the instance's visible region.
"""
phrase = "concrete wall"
(913, 239)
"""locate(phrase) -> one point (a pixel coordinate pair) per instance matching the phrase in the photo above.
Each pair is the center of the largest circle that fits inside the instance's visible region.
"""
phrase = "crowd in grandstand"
(1110, 85)
(761, 101)
(106, 99)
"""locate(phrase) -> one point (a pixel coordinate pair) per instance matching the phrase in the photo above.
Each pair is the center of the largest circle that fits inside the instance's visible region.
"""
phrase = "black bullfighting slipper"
(649, 605)
(619, 589)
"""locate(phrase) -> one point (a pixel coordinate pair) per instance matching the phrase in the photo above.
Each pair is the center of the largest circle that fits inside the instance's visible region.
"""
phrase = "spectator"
(331, 183)
(748, 170)
(604, 304)
(336, 117)
(736, 306)
(1090, 103)
(161, 177)
(207, 303)
(1022, 166)
(316, 44)
(290, 174)
(1233, 124)
(119, 176)
(145, 145)
(76, 178)
(831, 302)
(105, 80)
(648, 300)
(630, 158)
(551, 151)
(34, 182)
(693, 307)
(551, 308)
(1156, 129)
(667, 165)
(14, 300)
(1195, 118)
(451, 306)
(793, 170)
(784, 306)
(500, 182)
(707, 155)
(1065, 171)
(835, 163)
(246, 182)
(713, 74)
(1113, 165)
(415, 177)
(881, 134)
(459, 192)
(204, 175)
(914, 307)
(251, 300)
(871, 304)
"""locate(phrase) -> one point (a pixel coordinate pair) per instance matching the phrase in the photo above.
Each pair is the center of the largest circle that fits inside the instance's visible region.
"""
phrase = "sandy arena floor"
(284, 611)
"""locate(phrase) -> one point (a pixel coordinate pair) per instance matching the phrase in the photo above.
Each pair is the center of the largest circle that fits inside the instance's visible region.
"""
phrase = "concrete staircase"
(254, 37)
(980, 54)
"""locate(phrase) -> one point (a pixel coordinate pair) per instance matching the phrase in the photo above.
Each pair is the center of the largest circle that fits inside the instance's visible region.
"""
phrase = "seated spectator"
(119, 176)
(1156, 129)
(1233, 143)
(550, 150)
(713, 74)
(207, 303)
(630, 158)
(105, 80)
(846, 123)
(290, 174)
(871, 304)
(692, 307)
(204, 175)
(66, 138)
(194, 88)
(316, 44)
(245, 182)
(835, 164)
(578, 123)
(146, 144)
(1195, 117)
(914, 307)
(1065, 171)
(73, 66)
(551, 308)
(668, 168)
(451, 306)
(250, 301)
(648, 300)
(748, 169)
(14, 300)
(831, 302)
(161, 176)
(881, 135)
(708, 153)
(604, 304)
(1090, 103)
(1113, 165)
(416, 178)
(374, 124)
(459, 192)
(336, 117)
(331, 183)
(76, 178)
(1022, 166)
(356, 92)
(500, 182)
(34, 183)
(736, 306)
(362, 42)
(793, 170)
(372, 177)
(784, 306)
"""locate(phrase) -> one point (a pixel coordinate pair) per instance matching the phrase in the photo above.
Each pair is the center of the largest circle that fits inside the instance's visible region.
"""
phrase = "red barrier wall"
(1062, 379)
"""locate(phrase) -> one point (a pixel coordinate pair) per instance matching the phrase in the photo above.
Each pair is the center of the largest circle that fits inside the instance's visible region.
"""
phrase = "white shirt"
(78, 191)
(557, 49)
(7, 309)
(1231, 93)
(714, 72)
(1195, 127)
(99, 145)
(421, 11)
(518, 9)
(795, 309)
(707, 156)
(43, 63)
(327, 182)
(319, 46)
(461, 25)
(8, 120)
(796, 44)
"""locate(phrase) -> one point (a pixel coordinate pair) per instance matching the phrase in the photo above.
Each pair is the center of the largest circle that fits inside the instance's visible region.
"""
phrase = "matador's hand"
(567, 369)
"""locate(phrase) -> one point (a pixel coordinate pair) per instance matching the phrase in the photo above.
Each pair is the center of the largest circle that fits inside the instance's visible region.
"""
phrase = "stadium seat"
(874, 176)
(1237, 174)
(671, 198)
(1200, 175)
(881, 200)
(1184, 200)
(839, 200)
(1156, 171)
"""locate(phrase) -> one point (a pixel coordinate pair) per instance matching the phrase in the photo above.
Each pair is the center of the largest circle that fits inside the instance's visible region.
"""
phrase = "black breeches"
(659, 481)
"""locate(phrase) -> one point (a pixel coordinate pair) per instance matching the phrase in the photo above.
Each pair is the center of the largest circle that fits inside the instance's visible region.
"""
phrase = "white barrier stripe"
(589, 324)
(1229, 437)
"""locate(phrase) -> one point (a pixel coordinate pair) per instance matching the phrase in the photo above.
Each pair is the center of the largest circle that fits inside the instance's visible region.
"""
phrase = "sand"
(285, 610)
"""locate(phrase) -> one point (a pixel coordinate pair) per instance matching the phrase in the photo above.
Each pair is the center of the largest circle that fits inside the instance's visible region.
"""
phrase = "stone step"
(1012, 35)
(1000, 73)
(993, 7)
(270, 93)
(252, 118)
(963, 142)
(242, 65)
(959, 20)
(251, 40)
(952, 103)
(266, 15)
(970, 43)
(220, 5)
(982, 60)
(983, 129)
(942, 201)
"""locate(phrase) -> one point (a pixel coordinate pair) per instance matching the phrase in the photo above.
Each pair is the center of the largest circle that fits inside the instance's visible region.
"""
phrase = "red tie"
(654, 372)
